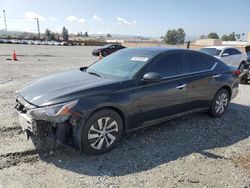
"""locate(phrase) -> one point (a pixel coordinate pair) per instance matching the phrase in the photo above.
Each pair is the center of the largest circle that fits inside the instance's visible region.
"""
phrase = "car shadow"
(145, 149)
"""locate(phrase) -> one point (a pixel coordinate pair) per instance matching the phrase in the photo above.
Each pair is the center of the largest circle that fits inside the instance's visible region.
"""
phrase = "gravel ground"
(193, 151)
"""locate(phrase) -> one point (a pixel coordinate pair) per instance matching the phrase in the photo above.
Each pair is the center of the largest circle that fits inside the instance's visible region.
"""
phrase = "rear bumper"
(234, 92)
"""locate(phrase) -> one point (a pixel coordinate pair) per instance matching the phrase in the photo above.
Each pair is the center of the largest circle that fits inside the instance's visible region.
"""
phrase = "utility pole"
(38, 27)
(5, 22)
(243, 34)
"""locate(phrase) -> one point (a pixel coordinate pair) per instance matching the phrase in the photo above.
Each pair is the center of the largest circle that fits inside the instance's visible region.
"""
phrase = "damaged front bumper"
(27, 123)
(55, 121)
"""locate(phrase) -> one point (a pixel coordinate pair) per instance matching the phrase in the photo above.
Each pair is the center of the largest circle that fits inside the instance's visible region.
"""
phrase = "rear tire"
(220, 103)
(101, 132)
(244, 79)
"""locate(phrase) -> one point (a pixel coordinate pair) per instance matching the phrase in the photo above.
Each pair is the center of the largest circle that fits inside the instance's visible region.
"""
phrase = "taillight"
(237, 72)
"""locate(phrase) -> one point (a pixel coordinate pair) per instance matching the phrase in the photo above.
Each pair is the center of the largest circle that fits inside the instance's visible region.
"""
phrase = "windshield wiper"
(93, 73)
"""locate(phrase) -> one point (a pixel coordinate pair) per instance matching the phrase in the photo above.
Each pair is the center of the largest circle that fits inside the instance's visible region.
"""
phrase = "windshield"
(119, 65)
(211, 51)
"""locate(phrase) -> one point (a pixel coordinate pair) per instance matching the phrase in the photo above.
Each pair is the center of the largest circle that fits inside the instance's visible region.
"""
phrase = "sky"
(130, 17)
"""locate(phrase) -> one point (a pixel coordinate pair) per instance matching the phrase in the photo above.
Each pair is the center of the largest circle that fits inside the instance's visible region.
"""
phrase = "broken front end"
(53, 123)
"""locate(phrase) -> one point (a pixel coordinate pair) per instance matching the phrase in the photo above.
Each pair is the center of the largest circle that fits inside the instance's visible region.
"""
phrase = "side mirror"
(83, 68)
(151, 77)
(225, 54)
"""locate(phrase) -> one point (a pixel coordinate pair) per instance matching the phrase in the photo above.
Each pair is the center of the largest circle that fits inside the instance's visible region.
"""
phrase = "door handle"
(216, 76)
(181, 86)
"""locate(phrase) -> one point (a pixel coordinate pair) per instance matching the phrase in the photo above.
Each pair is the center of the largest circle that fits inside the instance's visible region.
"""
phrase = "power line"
(21, 18)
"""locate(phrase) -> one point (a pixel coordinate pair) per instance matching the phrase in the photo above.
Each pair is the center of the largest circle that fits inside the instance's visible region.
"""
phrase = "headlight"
(55, 113)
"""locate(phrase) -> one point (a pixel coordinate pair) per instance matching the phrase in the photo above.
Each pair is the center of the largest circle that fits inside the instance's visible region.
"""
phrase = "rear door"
(200, 80)
(237, 57)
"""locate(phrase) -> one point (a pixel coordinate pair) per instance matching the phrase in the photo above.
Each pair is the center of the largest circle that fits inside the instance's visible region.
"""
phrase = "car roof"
(107, 45)
(152, 50)
(219, 47)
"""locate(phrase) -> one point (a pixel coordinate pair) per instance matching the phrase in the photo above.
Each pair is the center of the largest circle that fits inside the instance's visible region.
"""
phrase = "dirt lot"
(194, 151)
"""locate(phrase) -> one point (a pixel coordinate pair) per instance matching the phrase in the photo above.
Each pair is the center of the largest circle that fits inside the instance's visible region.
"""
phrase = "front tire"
(101, 132)
(242, 67)
(219, 103)
(104, 54)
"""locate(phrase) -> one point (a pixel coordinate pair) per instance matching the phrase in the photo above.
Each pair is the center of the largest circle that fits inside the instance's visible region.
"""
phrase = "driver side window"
(166, 65)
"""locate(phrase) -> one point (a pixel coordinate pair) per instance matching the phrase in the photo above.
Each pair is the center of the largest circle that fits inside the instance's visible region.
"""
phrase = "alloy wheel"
(242, 67)
(221, 103)
(103, 133)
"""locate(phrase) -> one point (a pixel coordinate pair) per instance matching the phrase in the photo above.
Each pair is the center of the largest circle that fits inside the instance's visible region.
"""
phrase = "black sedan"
(92, 107)
(107, 49)
(247, 48)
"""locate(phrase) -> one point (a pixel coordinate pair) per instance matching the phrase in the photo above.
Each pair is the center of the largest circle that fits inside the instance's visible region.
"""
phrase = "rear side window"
(235, 51)
(211, 51)
(169, 64)
(195, 62)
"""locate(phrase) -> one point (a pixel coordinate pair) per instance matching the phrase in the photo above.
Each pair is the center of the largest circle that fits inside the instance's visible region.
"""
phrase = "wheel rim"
(221, 103)
(242, 67)
(103, 133)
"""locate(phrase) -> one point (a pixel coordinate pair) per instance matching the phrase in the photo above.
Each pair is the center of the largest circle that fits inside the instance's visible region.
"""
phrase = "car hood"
(44, 90)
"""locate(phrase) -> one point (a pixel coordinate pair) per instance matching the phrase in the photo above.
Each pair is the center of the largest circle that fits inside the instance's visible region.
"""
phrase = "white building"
(208, 42)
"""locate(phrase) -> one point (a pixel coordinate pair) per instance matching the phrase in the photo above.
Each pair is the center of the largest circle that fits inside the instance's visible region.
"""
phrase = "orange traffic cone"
(14, 58)
(100, 55)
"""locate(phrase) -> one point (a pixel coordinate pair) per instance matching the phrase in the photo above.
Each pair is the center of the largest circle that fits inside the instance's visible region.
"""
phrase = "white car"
(229, 55)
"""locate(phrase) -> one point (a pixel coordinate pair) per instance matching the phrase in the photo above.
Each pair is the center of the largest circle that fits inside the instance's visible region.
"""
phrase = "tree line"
(178, 36)
(49, 35)
(231, 37)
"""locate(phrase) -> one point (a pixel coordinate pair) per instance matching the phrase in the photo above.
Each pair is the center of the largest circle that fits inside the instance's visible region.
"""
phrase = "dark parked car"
(91, 108)
(246, 77)
(247, 48)
(107, 49)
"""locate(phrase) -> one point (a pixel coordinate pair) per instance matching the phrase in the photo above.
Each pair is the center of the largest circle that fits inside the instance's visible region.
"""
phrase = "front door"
(228, 58)
(155, 102)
